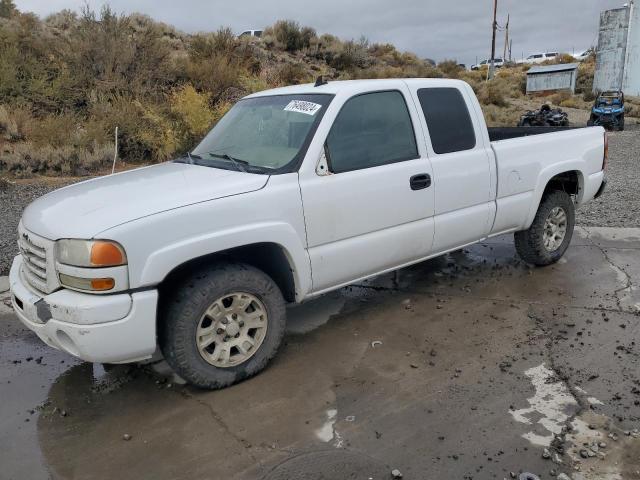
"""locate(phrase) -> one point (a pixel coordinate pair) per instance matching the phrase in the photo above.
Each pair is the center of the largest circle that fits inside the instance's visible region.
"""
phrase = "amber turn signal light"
(102, 284)
(107, 254)
(87, 284)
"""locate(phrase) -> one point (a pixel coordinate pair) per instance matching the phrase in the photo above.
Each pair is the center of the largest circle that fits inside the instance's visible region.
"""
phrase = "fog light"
(89, 284)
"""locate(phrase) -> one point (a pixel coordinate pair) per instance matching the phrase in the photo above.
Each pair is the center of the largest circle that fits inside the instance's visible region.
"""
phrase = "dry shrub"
(351, 55)
(25, 159)
(288, 35)
(501, 117)
(251, 84)
(493, 93)
(215, 74)
(55, 131)
(192, 111)
(292, 74)
(632, 106)
(561, 96)
(450, 68)
(570, 103)
(584, 81)
(8, 126)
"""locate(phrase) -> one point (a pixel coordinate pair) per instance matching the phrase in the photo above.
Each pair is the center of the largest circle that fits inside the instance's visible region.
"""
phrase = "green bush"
(290, 36)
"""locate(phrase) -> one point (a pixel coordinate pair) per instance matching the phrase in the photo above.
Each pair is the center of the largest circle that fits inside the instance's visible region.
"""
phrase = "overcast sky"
(438, 29)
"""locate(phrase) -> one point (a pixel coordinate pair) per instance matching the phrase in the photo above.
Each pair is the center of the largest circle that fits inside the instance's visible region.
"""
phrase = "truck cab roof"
(353, 87)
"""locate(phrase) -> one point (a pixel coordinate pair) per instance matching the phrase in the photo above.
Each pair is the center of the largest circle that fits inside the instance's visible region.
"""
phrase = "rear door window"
(372, 129)
(448, 120)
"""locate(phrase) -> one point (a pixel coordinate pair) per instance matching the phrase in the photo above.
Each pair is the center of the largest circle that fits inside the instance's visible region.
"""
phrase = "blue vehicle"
(608, 111)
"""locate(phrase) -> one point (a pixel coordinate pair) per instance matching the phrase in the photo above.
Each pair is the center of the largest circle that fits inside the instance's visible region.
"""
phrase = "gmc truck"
(295, 192)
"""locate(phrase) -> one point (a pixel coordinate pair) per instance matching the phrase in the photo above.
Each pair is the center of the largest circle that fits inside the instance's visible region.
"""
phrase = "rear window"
(448, 120)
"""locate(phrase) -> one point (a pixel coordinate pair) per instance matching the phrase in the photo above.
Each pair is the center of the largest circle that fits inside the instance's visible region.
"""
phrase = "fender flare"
(545, 177)
(162, 262)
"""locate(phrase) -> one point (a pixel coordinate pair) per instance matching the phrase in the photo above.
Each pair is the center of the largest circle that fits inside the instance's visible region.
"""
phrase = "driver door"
(374, 211)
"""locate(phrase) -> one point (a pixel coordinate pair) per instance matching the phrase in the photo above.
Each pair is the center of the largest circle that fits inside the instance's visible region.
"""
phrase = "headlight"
(91, 265)
(90, 253)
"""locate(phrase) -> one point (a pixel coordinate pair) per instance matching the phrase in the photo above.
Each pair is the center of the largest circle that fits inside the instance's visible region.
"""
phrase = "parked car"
(251, 33)
(538, 58)
(296, 192)
(608, 111)
(545, 117)
(584, 55)
(498, 63)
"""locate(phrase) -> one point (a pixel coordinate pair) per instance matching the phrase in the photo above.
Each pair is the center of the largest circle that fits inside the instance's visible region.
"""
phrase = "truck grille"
(37, 261)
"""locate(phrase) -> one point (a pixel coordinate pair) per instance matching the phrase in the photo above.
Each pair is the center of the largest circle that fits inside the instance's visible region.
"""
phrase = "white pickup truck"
(295, 192)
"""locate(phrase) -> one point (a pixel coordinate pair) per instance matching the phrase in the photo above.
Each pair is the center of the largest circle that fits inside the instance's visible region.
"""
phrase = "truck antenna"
(320, 81)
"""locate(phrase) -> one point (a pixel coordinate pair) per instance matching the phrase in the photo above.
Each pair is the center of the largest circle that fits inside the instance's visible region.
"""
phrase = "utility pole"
(492, 65)
(506, 40)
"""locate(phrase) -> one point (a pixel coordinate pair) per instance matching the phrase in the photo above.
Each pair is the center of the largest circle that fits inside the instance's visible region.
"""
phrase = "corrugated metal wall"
(540, 82)
(631, 81)
(612, 46)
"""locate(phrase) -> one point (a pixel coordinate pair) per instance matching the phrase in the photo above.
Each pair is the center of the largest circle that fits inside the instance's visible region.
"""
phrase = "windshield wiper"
(239, 164)
(189, 158)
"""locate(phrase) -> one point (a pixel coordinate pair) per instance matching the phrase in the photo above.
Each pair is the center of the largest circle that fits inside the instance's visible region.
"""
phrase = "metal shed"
(544, 78)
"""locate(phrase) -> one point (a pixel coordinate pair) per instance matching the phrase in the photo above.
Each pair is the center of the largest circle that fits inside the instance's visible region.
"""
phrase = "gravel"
(14, 197)
(619, 206)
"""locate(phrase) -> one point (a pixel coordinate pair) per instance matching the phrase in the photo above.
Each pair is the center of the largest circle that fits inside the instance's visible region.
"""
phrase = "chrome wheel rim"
(232, 329)
(555, 229)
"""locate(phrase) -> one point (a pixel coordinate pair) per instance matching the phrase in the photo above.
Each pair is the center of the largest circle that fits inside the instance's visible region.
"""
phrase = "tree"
(7, 9)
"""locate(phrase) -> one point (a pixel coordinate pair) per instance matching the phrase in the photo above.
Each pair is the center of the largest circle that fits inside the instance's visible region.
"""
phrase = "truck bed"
(497, 134)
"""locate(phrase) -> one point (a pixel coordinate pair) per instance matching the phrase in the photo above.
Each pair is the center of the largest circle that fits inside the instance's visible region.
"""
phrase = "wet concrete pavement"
(464, 367)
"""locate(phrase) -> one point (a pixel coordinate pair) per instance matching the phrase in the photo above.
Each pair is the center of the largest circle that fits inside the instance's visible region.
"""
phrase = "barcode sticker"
(300, 106)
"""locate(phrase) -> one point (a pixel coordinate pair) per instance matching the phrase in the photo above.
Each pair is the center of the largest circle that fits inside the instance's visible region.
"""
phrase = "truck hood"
(85, 209)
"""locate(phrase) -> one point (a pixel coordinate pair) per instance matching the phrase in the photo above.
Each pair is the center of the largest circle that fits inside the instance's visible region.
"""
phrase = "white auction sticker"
(301, 106)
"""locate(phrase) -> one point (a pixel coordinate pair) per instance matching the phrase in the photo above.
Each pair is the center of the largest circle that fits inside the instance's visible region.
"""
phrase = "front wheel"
(223, 325)
(549, 235)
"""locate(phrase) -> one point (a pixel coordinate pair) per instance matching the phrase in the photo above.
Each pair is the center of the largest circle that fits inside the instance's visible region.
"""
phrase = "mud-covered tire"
(184, 309)
(530, 243)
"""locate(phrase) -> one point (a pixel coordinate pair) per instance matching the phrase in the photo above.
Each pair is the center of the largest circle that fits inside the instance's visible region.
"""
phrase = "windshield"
(263, 134)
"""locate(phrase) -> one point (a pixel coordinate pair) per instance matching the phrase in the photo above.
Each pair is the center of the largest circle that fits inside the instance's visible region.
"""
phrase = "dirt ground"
(469, 366)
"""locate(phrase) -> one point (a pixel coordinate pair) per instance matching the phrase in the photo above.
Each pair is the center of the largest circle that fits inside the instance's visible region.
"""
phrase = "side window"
(371, 130)
(448, 120)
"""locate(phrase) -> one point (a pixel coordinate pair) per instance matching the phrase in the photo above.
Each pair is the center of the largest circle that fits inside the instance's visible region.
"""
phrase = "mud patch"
(330, 464)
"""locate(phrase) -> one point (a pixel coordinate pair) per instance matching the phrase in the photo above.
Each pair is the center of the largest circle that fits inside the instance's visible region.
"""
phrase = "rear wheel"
(550, 233)
(223, 325)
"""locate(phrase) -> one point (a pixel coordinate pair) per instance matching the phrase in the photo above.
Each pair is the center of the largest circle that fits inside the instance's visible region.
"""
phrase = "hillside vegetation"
(67, 81)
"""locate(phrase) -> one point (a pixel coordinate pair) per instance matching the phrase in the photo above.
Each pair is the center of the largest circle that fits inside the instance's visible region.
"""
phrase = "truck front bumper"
(117, 328)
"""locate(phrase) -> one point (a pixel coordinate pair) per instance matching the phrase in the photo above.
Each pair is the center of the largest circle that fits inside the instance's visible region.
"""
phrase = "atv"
(608, 111)
(545, 117)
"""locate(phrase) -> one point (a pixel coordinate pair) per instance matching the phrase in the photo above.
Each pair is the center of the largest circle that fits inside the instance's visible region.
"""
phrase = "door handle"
(420, 181)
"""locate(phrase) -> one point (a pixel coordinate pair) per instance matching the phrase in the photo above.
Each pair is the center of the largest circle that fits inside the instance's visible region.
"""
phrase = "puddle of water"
(327, 432)
(310, 315)
(552, 402)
